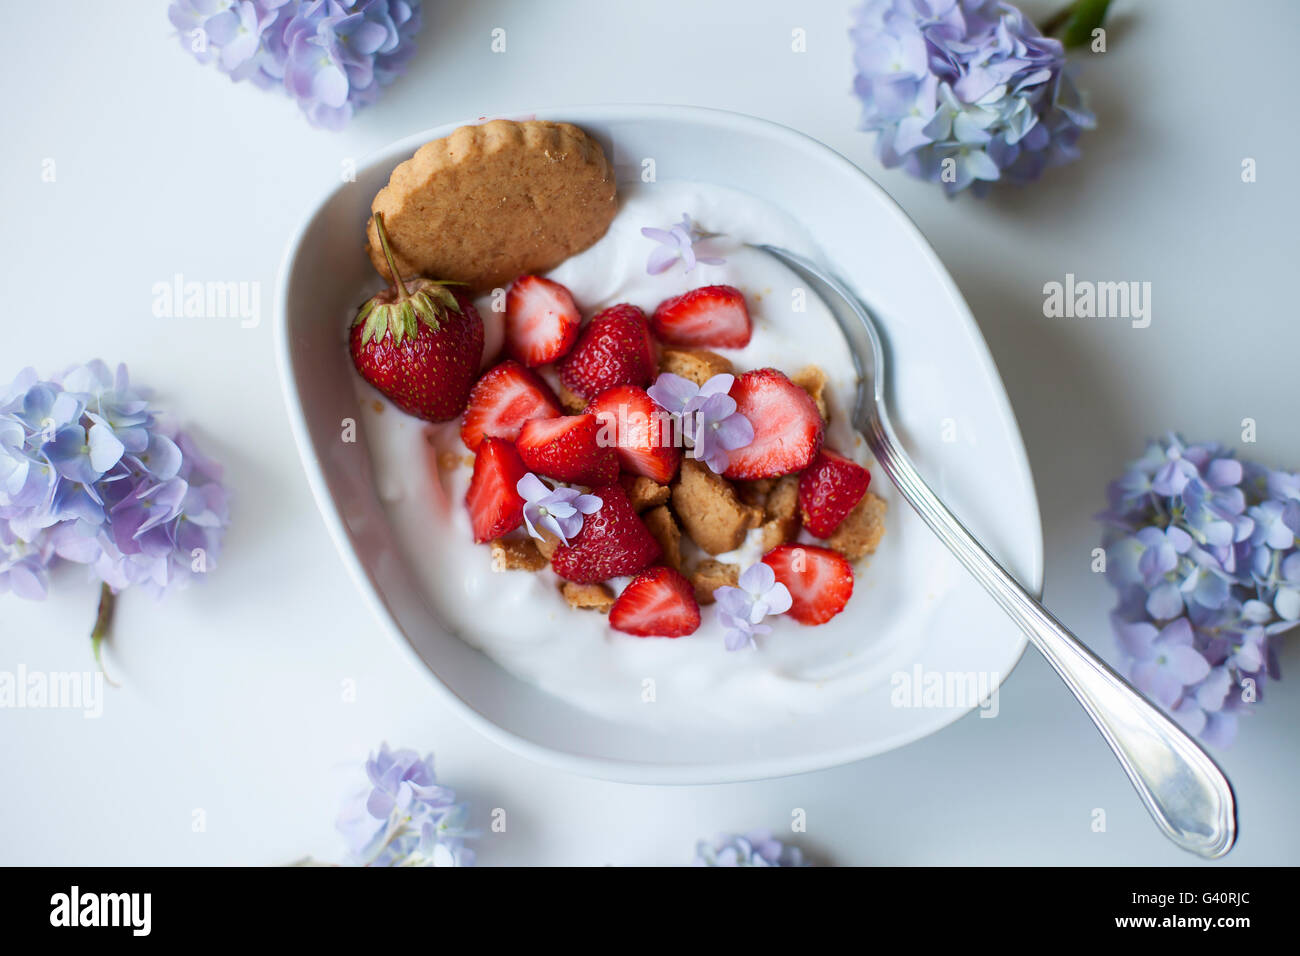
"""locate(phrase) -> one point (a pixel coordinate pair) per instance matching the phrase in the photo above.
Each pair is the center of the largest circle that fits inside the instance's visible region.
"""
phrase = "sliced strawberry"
(829, 490)
(541, 320)
(820, 580)
(658, 603)
(495, 507)
(788, 429)
(568, 449)
(642, 431)
(613, 542)
(712, 316)
(502, 400)
(614, 349)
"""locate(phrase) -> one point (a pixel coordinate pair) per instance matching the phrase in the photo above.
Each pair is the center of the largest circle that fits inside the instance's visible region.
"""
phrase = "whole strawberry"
(419, 343)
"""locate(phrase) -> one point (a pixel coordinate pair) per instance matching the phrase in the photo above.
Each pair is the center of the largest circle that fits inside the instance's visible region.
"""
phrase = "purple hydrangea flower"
(89, 474)
(332, 56)
(742, 609)
(964, 92)
(756, 848)
(1202, 551)
(677, 242)
(406, 818)
(709, 423)
(559, 510)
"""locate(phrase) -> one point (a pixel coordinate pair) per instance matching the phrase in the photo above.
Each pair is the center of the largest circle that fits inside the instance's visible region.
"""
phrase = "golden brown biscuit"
(697, 365)
(709, 510)
(516, 554)
(592, 597)
(495, 201)
(860, 532)
(709, 575)
(813, 381)
(781, 513)
(664, 527)
(644, 493)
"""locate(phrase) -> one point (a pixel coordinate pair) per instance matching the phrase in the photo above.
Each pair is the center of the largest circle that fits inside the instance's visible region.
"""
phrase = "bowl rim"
(631, 771)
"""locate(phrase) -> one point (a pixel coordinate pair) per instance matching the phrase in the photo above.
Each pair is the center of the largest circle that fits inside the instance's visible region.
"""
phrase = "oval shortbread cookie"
(492, 202)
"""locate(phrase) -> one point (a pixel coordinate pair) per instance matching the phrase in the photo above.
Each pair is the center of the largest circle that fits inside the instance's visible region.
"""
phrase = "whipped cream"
(521, 620)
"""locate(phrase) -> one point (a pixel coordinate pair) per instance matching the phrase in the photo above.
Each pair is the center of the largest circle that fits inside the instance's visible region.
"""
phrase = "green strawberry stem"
(402, 294)
(103, 624)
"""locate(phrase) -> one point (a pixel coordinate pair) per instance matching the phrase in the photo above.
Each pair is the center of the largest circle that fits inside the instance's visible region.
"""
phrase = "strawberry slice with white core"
(495, 506)
(568, 449)
(829, 490)
(820, 581)
(788, 429)
(712, 316)
(647, 440)
(658, 603)
(542, 320)
(502, 400)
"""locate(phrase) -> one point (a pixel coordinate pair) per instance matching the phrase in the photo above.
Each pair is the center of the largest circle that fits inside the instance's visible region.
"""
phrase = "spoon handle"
(1185, 792)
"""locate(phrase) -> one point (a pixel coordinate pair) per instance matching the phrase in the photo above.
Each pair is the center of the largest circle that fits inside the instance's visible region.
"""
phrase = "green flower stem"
(1076, 22)
(103, 625)
(402, 294)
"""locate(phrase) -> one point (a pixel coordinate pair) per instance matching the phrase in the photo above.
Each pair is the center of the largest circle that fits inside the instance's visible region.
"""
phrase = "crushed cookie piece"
(859, 534)
(697, 365)
(781, 513)
(590, 597)
(378, 406)
(547, 545)
(664, 527)
(709, 575)
(571, 403)
(516, 554)
(754, 493)
(813, 381)
(448, 460)
(644, 493)
(711, 514)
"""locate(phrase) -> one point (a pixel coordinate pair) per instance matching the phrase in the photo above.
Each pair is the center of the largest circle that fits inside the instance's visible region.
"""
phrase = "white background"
(232, 697)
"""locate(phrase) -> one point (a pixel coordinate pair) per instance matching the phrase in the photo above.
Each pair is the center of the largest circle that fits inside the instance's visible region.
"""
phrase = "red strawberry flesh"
(828, 490)
(542, 320)
(495, 506)
(643, 432)
(788, 429)
(712, 316)
(568, 449)
(614, 349)
(658, 603)
(820, 581)
(613, 542)
(502, 400)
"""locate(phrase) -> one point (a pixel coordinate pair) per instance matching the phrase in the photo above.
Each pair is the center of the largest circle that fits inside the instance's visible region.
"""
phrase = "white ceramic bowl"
(951, 411)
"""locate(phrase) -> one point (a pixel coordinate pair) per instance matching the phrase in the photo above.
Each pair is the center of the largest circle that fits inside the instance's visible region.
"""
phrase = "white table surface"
(232, 702)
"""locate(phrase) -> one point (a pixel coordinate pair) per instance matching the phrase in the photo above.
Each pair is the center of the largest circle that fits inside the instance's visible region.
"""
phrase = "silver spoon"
(1185, 792)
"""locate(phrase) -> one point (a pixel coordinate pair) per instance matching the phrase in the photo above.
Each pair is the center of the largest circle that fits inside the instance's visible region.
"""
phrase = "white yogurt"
(520, 619)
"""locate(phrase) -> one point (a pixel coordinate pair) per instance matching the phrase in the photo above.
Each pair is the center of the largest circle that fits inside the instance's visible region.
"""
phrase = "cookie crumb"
(590, 597)
(644, 493)
(709, 575)
(571, 403)
(709, 510)
(547, 545)
(664, 527)
(697, 365)
(860, 532)
(516, 554)
(813, 381)
(378, 406)
(781, 513)
(448, 460)
(754, 493)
